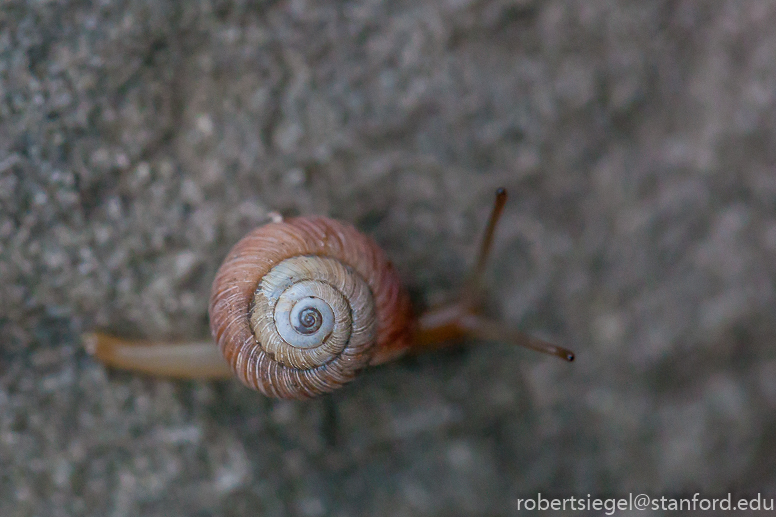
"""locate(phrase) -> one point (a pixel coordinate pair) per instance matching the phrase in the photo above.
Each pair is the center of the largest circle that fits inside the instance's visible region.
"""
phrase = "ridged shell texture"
(302, 272)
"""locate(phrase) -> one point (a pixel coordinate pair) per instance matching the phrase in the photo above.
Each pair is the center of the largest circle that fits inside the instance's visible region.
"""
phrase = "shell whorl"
(310, 310)
(302, 272)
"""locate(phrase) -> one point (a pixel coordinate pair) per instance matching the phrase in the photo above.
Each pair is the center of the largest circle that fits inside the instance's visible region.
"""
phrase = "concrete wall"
(140, 140)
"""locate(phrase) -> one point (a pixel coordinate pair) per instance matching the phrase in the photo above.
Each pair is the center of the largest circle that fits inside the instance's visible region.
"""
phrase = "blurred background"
(140, 140)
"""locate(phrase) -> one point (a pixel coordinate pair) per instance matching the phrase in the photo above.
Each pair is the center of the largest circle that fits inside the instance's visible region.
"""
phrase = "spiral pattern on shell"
(298, 308)
(308, 310)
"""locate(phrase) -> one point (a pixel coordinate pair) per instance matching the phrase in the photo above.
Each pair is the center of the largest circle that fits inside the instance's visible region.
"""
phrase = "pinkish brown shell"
(255, 255)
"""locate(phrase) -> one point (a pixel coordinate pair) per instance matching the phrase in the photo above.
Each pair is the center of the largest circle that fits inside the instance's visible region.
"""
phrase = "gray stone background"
(140, 140)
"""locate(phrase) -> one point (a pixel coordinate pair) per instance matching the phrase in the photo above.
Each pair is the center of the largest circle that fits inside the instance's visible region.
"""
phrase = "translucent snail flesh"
(299, 307)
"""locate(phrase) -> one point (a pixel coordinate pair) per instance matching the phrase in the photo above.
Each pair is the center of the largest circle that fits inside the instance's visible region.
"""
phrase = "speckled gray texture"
(140, 140)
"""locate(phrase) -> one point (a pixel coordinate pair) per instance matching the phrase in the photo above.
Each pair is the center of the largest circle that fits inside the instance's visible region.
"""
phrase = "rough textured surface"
(140, 140)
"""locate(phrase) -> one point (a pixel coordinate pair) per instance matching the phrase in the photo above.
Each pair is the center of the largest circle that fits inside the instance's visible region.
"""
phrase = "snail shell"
(299, 307)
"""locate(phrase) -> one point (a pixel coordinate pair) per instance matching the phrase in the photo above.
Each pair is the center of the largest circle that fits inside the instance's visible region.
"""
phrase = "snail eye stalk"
(475, 282)
(462, 318)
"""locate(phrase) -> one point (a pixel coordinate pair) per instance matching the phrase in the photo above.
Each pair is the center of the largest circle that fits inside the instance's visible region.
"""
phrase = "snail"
(300, 306)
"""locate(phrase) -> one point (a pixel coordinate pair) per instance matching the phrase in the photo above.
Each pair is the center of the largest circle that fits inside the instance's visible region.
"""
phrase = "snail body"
(299, 307)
